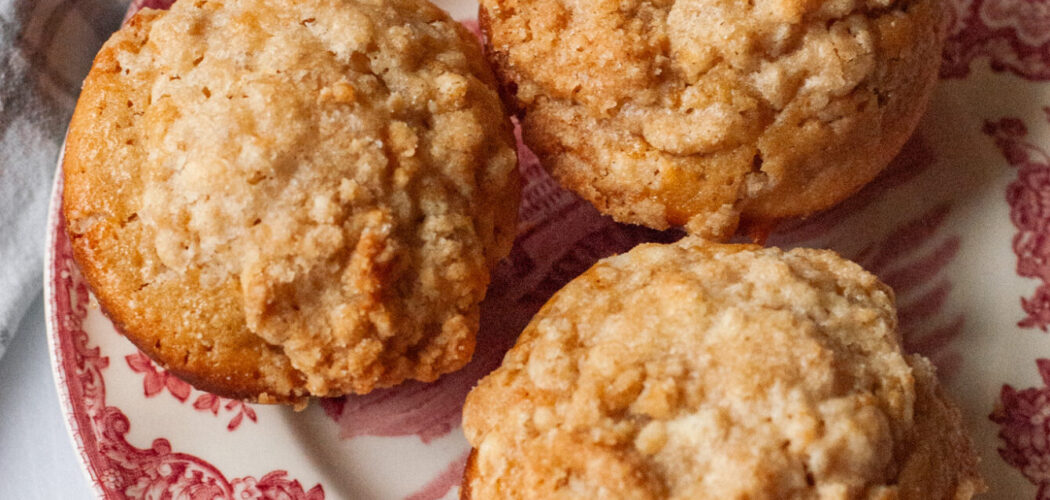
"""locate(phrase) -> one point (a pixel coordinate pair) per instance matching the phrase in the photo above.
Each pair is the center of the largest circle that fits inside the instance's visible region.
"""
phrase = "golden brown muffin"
(275, 198)
(704, 112)
(704, 371)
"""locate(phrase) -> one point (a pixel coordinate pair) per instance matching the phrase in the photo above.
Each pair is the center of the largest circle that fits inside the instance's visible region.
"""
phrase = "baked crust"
(470, 472)
(697, 370)
(700, 113)
(276, 199)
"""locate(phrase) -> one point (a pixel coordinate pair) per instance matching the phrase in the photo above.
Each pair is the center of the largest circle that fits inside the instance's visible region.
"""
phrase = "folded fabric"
(46, 48)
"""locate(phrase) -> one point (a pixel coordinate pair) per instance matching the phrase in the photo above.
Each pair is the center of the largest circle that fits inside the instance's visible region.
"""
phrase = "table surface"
(37, 459)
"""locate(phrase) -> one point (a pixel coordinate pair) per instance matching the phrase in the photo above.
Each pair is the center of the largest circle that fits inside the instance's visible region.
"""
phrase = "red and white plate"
(958, 225)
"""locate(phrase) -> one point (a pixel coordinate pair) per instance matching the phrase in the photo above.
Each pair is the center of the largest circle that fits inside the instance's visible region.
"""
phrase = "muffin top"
(703, 112)
(317, 185)
(699, 370)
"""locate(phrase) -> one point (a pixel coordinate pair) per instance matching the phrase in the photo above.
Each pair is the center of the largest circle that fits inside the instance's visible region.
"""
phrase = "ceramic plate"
(957, 225)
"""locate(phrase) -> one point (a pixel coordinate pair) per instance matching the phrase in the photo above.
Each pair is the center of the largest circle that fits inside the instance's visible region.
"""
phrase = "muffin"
(699, 370)
(278, 198)
(703, 113)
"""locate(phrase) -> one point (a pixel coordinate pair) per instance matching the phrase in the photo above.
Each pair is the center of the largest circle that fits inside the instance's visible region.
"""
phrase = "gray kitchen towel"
(46, 48)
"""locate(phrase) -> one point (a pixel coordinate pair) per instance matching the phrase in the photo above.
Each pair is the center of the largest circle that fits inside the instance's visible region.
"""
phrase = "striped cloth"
(46, 48)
